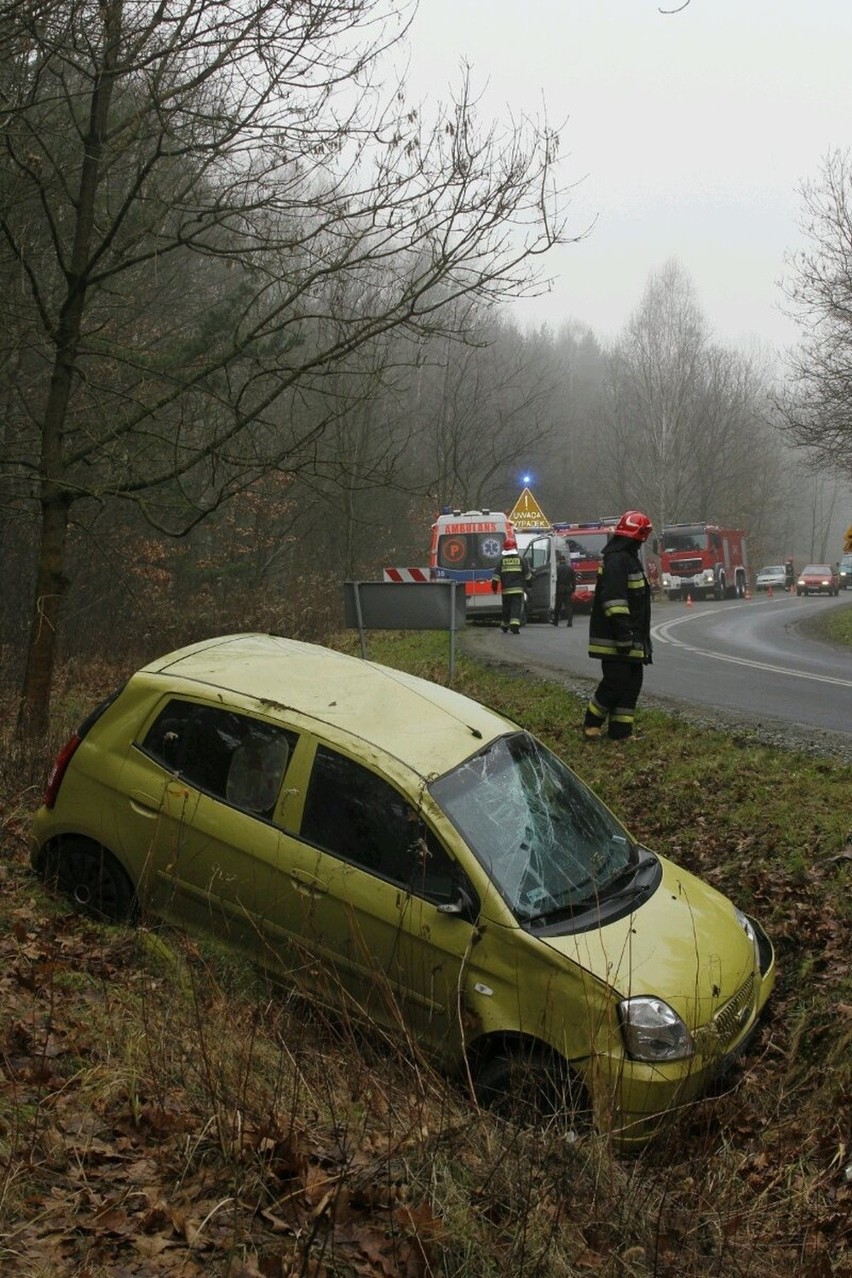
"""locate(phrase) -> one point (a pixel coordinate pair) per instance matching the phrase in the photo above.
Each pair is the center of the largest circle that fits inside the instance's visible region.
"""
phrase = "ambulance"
(466, 546)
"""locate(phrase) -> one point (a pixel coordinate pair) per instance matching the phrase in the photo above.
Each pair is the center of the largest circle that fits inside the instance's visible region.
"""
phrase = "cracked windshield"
(548, 844)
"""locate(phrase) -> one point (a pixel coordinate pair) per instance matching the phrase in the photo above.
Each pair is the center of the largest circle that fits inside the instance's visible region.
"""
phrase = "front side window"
(234, 757)
(537, 554)
(548, 844)
(357, 816)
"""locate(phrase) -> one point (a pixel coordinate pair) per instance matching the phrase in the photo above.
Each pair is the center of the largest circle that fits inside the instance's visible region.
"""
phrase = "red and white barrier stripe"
(406, 574)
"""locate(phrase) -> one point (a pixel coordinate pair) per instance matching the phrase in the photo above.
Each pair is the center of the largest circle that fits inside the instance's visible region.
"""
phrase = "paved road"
(750, 657)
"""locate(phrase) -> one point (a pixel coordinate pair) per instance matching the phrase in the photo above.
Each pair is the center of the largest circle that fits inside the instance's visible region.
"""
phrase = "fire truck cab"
(466, 546)
(583, 545)
(703, 561)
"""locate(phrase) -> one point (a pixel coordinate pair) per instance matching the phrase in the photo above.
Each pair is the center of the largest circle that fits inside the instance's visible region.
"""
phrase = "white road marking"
(662, 633)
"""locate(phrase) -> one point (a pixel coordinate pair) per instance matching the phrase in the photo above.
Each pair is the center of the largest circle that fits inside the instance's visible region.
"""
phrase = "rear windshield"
(470, 550)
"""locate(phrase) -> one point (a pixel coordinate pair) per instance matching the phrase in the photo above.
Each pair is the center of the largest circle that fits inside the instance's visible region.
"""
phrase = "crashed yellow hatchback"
(399, 848)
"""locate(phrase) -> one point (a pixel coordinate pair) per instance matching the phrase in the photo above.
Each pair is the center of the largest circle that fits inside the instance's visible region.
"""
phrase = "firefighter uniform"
(511, 577)
(619, 637)
(566, 584)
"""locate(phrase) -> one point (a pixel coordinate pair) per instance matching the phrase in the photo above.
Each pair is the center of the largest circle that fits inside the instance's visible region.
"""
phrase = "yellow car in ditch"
(385, 841)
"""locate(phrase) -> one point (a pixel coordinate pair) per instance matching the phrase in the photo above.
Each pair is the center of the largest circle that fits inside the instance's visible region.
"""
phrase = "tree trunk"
(55, 499)
(51, 582)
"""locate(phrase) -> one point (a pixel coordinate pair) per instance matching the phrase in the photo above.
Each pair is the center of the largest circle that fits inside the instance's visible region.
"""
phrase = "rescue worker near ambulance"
(510, 578)
(620, 630)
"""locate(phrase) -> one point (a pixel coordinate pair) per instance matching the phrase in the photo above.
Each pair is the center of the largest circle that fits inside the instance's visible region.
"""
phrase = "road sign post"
(405, 605)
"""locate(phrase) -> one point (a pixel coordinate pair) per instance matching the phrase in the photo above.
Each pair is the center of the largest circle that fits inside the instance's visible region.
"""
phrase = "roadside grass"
(164, 1110)
(838, 625)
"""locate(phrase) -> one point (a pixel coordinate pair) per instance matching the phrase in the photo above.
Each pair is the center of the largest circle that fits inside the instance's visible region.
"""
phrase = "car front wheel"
(91, 878)
(529, 1086)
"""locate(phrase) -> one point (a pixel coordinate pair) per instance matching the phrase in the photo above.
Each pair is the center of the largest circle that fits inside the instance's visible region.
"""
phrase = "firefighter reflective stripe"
(601, 647)
(510, 574)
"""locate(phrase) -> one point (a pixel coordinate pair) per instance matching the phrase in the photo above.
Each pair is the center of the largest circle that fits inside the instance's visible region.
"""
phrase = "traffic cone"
(689, 601)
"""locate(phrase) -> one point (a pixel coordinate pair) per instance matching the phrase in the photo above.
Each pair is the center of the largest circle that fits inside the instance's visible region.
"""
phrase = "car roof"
(817, 568)
(429, 728)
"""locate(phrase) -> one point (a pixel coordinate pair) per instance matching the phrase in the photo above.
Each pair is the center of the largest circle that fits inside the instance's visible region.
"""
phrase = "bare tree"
(655, 380)
(690, 429)
(484, 409)
(817, 406)
(209, 205)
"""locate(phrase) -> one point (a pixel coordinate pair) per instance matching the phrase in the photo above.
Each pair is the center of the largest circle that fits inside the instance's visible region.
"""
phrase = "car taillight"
(57, 772)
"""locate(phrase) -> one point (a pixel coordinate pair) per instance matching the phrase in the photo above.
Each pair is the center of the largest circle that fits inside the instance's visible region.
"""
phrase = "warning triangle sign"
(526, 512)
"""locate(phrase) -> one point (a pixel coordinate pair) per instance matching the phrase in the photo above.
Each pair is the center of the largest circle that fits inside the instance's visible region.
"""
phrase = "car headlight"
(749, 929)
(746, 925)
(653, 1031)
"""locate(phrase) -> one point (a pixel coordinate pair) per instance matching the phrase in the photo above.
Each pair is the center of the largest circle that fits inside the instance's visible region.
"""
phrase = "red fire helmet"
(633, 524)
(510, 544)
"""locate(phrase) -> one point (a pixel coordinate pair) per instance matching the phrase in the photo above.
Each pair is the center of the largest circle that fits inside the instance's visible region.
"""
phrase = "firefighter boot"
(594, 720)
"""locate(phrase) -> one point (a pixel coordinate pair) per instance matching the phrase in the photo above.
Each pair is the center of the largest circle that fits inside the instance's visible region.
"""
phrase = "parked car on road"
(388, 843)
(844, 571)
(818, 579)
(773, 577)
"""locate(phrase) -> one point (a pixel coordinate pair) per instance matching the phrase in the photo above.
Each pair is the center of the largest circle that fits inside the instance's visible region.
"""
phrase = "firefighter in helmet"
(511, 577)
(620, 630)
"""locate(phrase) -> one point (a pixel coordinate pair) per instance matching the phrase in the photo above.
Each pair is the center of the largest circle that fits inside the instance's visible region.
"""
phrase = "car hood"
(683, 945)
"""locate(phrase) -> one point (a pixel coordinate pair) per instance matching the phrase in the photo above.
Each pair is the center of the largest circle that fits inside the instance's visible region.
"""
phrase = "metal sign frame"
(405, 605)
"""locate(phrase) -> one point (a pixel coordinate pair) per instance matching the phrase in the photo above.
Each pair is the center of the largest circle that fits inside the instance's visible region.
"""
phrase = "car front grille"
(730, 1020)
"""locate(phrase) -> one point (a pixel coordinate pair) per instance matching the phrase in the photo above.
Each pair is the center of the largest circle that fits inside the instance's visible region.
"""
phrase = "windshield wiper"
(569, 908)
(622, 878)
(626, 877)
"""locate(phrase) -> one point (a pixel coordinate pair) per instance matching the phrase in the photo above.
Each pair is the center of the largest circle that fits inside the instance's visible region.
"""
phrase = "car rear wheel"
(91, 878)
(532, 1087)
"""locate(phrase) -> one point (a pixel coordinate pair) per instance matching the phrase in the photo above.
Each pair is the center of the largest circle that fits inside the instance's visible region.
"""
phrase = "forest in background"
(257, 330)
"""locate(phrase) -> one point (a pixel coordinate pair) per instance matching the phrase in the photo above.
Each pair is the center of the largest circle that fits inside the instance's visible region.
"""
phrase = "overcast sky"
(688, 134)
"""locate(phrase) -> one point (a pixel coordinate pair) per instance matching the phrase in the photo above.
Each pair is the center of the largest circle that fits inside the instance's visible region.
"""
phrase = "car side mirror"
(461, 906)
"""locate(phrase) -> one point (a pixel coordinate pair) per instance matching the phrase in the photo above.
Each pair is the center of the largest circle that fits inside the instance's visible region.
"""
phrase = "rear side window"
(235, 758)
(357, 816)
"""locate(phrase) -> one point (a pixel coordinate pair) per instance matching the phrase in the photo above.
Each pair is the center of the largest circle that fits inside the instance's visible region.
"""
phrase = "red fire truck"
(703, 561)
(583, 544)
(466, 546)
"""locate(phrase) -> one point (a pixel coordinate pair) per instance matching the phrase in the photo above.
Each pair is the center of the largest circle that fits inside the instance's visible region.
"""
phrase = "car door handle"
(307, 884)
(147, 805)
